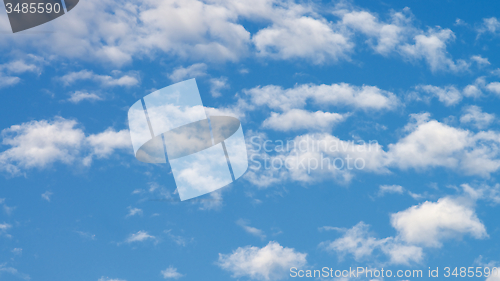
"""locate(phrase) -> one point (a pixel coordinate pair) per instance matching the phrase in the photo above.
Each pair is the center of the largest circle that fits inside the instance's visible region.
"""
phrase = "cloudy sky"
(407, 90)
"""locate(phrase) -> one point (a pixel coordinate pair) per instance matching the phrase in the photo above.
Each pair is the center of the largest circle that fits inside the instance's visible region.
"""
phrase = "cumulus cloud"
(476, 117)
(140, 236)
(218, 84)
(434, 144)
(31, 63)
(388, 36)
(133, 211)
(271, 262)
(302, 37)
(171, 273)
(489, 25)
(298, 119)
(105, 80)
(431, 47)
(426, 144)
(39, 144)
(449, 95)
(123, 31)
(192, 71)
(343, 94)
(429, 223)
(360, 243)
(79, 96)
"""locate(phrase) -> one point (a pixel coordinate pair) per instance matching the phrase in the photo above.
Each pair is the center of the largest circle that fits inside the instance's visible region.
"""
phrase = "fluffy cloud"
(105, 80)
(298, 119)
(271, 262)
(358, 242)
(133, 211)
(139, 237)
(388, 36)
(31, 63)
(192, 71)
(480, 60)
(431, 47)
(171, 273)
(343, 94)
(434, 144)
(79, 96)
(115, 32)
(490, 25)
(218, 84)
(427, 144)
(302, 37)
(448, 95)
(476, 117)
(431, 222)
(39, 144)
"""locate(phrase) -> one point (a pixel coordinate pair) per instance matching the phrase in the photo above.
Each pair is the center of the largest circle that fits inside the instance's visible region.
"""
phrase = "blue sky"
(418, 79)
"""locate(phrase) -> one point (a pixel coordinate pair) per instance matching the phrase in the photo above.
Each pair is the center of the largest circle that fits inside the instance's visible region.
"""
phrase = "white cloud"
(302, 37)
(491, 25)
(139, 237)
(431, 46)
(431, 222)
(388, 35)
(192, 71)
(10, 270)
(46, 195)
(171, 273)
(358, 242)
(343, 94)
(476, 117)
(110, 279)
(116, 32)
(6, 81)
(4, 227)
(79, 96)
(448, 95)
(250, 229)
(17, 251)
(494, 87)
(105, 143)
(427, 144)
(39, 144)
(298, 119)
(105, 80)
(271, 262)
(133, 211)
(179, 240)
(218, 84)
(19, 66)
(383, 189)
(434, 144)
(480, 60)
